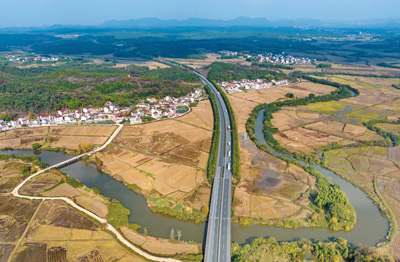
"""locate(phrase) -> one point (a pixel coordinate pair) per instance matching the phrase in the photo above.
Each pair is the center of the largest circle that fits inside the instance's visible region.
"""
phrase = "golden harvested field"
(10, 175)
(72, 142)
(395, 129)
(78, 238)
(24, 132)
(23, 138)
(165, 159)
(160, 246)
(267, 191)
(63, 190)
(40, 183)
(83, 130)
(289, 118)
(68, 137)
(361, 165)
(338, 121)
(305, 140)
(211, 57)
(349, 131)
(373, 91)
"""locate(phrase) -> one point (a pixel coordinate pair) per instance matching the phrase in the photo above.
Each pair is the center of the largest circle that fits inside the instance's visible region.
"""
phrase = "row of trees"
(212, 159)
(393, 137)
(235, 136)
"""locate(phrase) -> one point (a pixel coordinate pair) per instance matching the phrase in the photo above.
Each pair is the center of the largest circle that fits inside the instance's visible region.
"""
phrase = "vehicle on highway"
(229, 166)
(229, 153)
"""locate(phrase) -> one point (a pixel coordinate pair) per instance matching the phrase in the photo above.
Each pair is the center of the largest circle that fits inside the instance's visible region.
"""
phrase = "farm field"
(366, 166)
(272, 190)
(23, 138)
(62, 137)
(210, 58)
(160, 246)
(306, 128)
(78, 238)
(165, 161)
(10, 175)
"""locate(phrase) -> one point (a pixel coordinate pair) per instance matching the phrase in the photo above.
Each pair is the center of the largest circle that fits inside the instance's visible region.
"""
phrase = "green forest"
(79, 85)
(220, 72)
(261, 249)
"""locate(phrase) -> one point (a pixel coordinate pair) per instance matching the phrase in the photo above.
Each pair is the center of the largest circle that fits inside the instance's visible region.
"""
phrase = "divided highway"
(218, 238)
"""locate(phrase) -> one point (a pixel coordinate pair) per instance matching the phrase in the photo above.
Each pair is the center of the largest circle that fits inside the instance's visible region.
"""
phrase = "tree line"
(235, 136)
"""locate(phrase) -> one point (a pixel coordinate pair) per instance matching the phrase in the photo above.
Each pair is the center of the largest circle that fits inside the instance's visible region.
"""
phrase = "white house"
(84, 118)
(87, 109)
(69, 118)
(45, 117)
(58, 119)
(78, 113)
(23, 120)
(36, 122)
(106, 109)
(14, 123)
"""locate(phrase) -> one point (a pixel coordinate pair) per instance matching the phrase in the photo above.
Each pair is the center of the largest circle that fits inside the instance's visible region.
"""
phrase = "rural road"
(218, 238)
(72, 203)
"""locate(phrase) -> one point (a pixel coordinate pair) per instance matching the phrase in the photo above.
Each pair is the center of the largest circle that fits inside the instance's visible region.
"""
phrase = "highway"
(218, 236)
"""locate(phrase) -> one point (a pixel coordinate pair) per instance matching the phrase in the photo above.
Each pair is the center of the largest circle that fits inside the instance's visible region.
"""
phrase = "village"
(271, 58)
(246, 84)
(36, 58)
(150, 109)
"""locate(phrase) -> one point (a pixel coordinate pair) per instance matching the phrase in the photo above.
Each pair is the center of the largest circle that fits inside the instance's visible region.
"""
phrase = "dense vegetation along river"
(370, 228)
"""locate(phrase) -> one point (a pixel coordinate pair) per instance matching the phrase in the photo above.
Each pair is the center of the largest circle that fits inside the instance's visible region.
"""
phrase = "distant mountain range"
(245, 21)
(242, 21)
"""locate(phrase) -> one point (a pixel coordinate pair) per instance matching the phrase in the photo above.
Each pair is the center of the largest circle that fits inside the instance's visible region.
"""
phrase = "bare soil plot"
(389, 189)
(268, 190)
(72, 142)
(93, 203)
(23, 132)
(83, 130)
(201, 116)
(40, 183)
(10, 175)
(311, 87)
(306, 140)
(18, 212)
(160, 246)
(289, 118)
(63, 190)
(361, 165)
(211, 57)
(395, 129)
(349, 131)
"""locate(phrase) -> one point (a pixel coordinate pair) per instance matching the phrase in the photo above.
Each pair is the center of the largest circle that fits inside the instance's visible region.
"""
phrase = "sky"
(25, 13)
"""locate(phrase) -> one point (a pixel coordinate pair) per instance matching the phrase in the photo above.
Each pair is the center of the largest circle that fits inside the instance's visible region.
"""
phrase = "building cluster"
(149, 109)
(24, 59)
(245, 84)
(282, 59)
(228, 53)
(271, 58)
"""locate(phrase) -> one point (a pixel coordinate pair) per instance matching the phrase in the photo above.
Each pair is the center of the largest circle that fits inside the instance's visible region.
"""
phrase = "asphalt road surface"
(218, 238)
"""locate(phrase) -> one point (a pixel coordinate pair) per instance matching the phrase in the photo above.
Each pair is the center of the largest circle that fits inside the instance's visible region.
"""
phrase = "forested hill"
(79, 85)
(228, 72)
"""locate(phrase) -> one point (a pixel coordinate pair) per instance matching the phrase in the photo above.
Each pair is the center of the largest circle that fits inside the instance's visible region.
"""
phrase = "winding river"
(370, 228)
